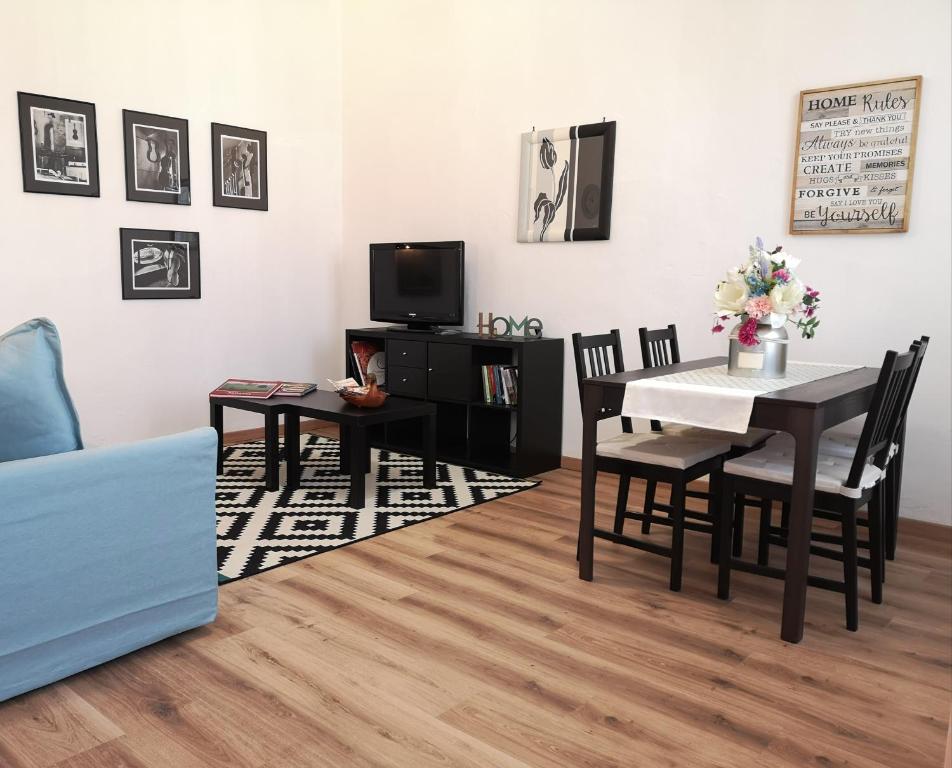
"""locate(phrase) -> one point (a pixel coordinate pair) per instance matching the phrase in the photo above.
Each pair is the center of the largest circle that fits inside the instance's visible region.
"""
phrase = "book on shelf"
(253, 388)
(295, 389)
(369, 357)
(500, 385)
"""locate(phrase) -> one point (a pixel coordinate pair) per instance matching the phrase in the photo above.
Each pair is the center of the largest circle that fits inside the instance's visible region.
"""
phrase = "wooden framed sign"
(853, 161)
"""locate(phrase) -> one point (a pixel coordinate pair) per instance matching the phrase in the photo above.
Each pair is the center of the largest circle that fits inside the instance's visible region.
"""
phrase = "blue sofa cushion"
(37, 417)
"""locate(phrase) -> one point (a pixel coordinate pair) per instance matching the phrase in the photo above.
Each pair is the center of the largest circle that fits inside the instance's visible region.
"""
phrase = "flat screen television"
(420, 284)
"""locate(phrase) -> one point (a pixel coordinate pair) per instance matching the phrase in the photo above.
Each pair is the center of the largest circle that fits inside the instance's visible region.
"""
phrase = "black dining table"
(803, 410)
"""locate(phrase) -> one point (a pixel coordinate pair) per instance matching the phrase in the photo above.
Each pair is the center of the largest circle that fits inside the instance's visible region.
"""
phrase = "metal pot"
(766, 360)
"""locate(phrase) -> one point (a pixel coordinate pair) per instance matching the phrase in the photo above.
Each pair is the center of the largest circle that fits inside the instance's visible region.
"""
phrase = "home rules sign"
(853, 162)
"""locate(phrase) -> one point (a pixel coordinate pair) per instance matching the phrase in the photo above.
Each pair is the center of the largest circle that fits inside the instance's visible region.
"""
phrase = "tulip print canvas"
(566, 184)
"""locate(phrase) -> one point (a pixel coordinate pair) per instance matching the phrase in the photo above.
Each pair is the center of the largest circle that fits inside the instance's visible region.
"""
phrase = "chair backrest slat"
(887, 410)
(599, 355)
(659, 347)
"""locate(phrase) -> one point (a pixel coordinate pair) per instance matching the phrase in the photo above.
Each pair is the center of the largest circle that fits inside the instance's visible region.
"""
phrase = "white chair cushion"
(774, 463)
(662, 450)
(753, 436)
(833, 442)
(836, 443)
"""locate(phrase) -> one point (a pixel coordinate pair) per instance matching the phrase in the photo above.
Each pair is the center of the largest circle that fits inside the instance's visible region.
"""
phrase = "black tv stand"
(522, 439)
(431, 329)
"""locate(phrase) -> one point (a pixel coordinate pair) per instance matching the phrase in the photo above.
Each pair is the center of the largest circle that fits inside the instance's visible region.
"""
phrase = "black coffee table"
(354, 421)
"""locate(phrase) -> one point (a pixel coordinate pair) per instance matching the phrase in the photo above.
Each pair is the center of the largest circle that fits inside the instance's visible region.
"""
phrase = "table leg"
(292, 448)
(807, 434)
(271, 451)
(592, 400)
(429, 451)
(344, 447)
(358, 440)
(218, 422)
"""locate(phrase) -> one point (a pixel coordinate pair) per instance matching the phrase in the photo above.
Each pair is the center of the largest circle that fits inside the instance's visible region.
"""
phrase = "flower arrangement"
(765, 289)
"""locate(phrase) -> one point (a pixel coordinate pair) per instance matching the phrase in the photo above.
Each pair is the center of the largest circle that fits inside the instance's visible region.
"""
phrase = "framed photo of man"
(157, 166)
(160, 264)
(239, 167)
(58, 145)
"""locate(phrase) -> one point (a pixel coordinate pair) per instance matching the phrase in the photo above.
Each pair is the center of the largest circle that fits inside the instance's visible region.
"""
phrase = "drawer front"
(406, 381)
(406, 354)
(449, 376)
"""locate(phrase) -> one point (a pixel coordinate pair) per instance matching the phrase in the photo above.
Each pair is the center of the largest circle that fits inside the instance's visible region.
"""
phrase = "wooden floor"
(469, 641)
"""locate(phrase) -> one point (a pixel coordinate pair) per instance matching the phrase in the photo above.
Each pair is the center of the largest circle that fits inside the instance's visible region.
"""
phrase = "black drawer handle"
(403, 380)
(404, 354)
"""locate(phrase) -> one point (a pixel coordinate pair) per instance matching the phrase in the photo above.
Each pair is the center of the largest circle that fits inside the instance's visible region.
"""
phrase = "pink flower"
(781, 275)
(717, 328)
(757, 307)
(748, 333)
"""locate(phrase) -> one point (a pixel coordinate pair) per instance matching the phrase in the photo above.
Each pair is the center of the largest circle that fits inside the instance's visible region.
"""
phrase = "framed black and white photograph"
(565, 189)
(239, 167)
(58, 145)
(157, 167)
(160, 264)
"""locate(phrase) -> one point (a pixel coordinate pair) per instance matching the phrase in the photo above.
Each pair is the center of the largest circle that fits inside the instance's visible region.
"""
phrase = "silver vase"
(766, 360)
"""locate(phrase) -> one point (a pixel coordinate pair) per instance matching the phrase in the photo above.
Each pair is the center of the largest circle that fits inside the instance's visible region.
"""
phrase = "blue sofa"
(103, 551)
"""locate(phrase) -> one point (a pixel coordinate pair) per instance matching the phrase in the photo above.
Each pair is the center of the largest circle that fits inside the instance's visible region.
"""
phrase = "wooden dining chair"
(660, 347)
(599, 355)
(843, 443)
(842, 486)
(651, 456)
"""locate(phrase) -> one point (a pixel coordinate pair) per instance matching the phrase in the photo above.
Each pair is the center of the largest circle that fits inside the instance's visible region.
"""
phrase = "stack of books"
(500, 384)
(262, 390)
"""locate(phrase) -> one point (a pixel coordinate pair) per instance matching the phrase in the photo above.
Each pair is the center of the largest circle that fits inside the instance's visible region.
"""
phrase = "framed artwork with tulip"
(565, 189)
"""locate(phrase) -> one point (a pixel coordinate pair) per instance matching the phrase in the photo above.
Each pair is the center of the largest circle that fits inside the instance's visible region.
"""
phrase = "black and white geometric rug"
(259, 530)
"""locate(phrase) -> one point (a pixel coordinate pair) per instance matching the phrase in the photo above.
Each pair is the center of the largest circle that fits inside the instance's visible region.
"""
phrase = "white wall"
(438, 91)
(142, 368)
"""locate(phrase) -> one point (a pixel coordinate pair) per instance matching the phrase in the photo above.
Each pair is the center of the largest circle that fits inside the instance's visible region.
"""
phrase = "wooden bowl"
(374, 397)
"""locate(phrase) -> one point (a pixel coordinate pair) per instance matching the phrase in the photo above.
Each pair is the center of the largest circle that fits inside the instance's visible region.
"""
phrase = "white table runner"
(709, 397)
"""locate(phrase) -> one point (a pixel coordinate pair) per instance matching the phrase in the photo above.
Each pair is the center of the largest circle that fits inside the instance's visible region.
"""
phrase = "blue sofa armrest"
(103, 551)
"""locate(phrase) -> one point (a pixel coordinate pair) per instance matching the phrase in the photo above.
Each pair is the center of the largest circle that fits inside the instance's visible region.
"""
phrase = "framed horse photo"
(157, 167)
(239, 167)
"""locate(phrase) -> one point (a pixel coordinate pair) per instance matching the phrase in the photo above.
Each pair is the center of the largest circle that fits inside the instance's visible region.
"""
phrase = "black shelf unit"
(523, 439)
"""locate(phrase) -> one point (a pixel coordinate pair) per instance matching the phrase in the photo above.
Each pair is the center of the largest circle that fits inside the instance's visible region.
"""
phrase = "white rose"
(792, 262)
(784, 299)
(730, 296)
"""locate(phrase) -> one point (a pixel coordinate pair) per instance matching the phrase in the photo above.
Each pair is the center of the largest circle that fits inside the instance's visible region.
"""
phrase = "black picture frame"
(244, 183)
(603, 230)
(58, 145)
(169, 264)
(156, 158)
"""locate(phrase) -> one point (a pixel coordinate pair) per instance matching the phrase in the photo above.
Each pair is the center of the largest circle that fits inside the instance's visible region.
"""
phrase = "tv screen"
(420, 284)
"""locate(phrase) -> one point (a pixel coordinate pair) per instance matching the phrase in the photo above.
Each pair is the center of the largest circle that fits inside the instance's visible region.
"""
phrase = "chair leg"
(876, 552)
(725, 514)
(785, 518)
(624, 482)
(891, 512)
(763, 542)
(850, 568)
(677, 534)
(740, 504)
(714, 495)
(650, 487)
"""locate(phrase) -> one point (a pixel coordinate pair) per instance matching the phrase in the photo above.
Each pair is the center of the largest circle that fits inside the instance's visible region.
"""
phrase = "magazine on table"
(295, 389)
(252, 388)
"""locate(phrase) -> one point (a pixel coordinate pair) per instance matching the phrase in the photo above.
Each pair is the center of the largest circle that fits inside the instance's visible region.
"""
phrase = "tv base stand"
(447, 369)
